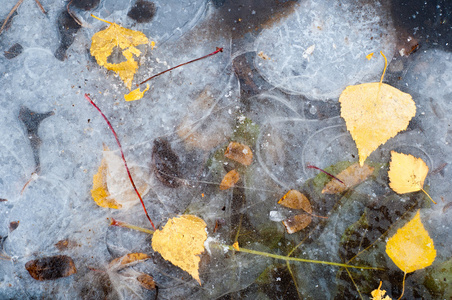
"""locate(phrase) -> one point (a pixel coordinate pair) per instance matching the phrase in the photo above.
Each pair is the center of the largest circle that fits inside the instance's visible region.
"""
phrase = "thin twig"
(10, 14)
(40, 6)
(72, 15)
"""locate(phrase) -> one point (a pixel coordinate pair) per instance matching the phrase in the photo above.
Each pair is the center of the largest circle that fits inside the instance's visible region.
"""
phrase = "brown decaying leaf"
(13, 225)
(229, 180)
(65, 244)
(297, 223)
(239, 153)
(351, 176)
(50, 268)
(146, 281)
(296, 200)
(127, 260)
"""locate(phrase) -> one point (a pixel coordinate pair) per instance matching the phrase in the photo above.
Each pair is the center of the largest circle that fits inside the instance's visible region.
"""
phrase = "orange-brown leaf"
(297, 223)
(240, 153)
(146, 281)
(127, 260)
(229, 180)
(296, 200)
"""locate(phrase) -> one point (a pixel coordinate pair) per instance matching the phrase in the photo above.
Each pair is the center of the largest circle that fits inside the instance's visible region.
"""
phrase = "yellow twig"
(101, 19)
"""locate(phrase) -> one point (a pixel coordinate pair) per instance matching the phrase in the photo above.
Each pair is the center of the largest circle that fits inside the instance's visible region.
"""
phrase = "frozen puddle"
(274, 88)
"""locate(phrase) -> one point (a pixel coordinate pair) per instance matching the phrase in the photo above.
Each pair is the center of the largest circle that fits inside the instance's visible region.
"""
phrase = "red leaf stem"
(185, 63)
(323, 171)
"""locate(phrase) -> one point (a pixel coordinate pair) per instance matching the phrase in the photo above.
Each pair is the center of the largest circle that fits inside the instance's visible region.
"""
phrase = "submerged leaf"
(181, 241)
(375, 112)
(146, 281)
(111, 184)
(105, 41)
(296, 200)
(411, 248)
(166, 163)
(229, 180)
(240, 153)
(127, 260)
(51, 268)
(297, 223)
(352, 176)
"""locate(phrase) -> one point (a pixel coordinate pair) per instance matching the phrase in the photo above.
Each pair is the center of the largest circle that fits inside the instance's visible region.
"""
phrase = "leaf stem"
(102, 19)
(183, 64)
(287, 258)
(384, 70)
(123, 157)
(130, 226)
(428, 195)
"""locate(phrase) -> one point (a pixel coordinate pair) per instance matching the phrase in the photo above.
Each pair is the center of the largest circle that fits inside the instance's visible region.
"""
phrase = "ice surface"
(289, 104)
(320, 48)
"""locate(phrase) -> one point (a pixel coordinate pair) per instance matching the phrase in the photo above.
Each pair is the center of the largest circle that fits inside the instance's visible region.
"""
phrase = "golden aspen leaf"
(295, 200)
(406, 173)
(297, 223)
(240, 153)
(127, 260)
(111, 184)
(229, 180)
(181, 241)
(100, 192)
(375, 112)
(136, 94)
(379, 294)
(115, 36)
(411, 248)
(351, 176)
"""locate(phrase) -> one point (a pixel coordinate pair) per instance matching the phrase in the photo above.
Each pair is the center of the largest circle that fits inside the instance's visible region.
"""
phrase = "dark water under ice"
(275, 88)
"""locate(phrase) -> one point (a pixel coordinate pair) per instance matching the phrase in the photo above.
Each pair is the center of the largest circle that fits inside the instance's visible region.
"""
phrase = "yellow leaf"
(407, 173)
(104, 41)
(111, 184)
(229, 180)
(236, 246)
(375, 112)
(136, 94)
(295, 200)
(353, 175)
(411, 248)
(100, 192)
(379, 294)
(181, 241)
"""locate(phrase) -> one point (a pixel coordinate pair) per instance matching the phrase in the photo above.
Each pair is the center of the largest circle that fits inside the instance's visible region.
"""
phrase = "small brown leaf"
(229, 180)
(297, 223)
(127, 260)
(65, 244)
(351, 176)
(296, 200)
(13, 226)
(50, 268)
(146, 281)
(239, 153)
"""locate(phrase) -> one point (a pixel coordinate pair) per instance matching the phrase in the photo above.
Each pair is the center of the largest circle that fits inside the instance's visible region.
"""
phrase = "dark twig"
(10, 14)
(72, 15)
(186, 63)
(123, 157)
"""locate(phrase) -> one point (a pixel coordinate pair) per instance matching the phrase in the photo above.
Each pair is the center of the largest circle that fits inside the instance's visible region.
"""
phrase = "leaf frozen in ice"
(105, 41)
(181, 241)
(240, 153)
(50, 268)
(375, 112)
(352, 176)
(229, 180)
